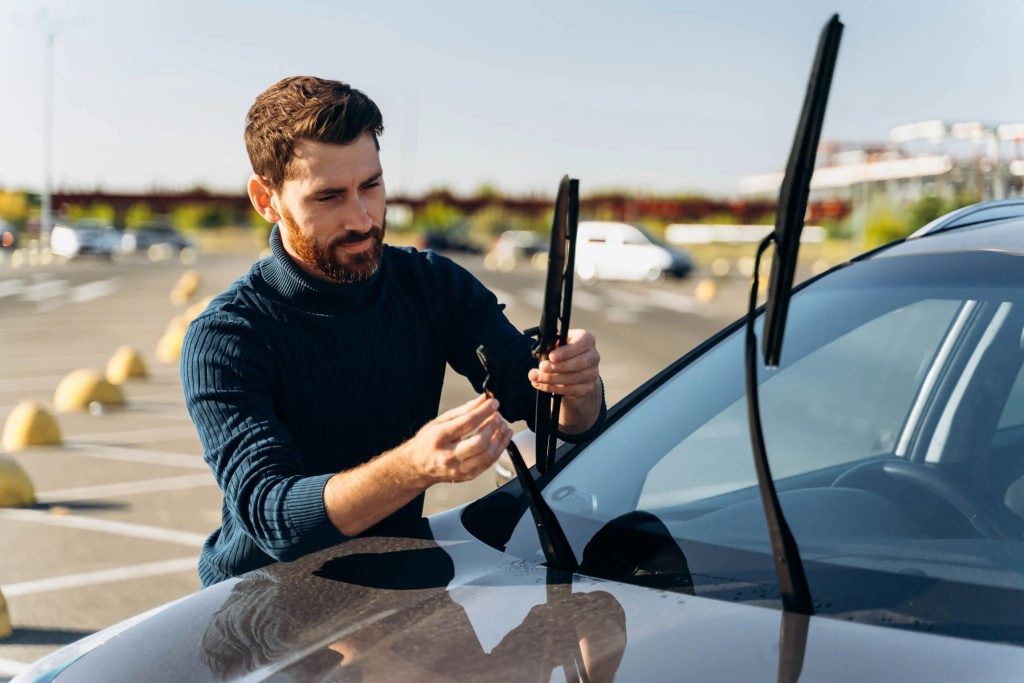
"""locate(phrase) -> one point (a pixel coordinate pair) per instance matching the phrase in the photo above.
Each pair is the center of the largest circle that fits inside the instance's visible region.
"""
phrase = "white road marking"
(586, 300)
(503, 296)
(42, 291)
(137, 435)
(141, 531)
(674, 301)
(93, 290)
(617, 314)
(42, 383)
(127, 488)
(139, 455)
(11, 287)
(101, 576)
(9, 667)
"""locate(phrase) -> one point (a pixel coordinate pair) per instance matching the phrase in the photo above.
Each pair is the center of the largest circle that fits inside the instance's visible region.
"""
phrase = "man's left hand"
(571, 370)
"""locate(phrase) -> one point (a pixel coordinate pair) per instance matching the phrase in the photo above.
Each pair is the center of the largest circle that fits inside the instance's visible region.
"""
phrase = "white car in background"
(87, 236)
(608, 250)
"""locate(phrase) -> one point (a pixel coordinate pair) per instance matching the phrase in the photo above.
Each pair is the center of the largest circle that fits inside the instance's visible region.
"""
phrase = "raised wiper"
(557, 551)
(789, 222)
(554, 317)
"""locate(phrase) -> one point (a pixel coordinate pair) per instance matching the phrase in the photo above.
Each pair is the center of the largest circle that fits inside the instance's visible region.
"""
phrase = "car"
(457, 239)
(609, 250)
(894, 425)
(86, 236)
(516, 246)
(156, 235)
(8, 236)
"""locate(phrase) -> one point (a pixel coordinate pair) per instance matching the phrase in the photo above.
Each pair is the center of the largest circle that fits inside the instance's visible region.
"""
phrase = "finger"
(567, 390)
(578, 341)
(462, 425)
(584, 361)
(461, 410)
(471, 446)
(583, 377)
(481, 461)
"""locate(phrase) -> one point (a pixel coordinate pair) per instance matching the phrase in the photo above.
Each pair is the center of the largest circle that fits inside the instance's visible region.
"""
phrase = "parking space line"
(136, 435)
(141, 531)
(9, 667)
(139, 455)
(101, 576)
(128, 488)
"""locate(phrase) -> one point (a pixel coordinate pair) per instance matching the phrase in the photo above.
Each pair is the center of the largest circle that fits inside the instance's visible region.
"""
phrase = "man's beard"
(331, 261)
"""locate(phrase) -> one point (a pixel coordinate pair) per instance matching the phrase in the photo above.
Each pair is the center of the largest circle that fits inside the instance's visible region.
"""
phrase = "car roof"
(988, 226)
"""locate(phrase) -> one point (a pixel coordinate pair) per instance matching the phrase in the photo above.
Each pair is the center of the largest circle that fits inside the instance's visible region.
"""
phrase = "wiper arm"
(553, 330)
(558, 553)
(789, 568)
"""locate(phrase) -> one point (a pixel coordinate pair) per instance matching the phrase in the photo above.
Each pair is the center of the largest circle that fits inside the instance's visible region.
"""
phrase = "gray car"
(895, 428)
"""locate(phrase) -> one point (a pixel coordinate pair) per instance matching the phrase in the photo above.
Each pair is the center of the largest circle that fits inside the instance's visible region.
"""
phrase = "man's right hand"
(460, 444)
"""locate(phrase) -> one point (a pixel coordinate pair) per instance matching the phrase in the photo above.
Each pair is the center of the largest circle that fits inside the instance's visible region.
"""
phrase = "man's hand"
(460, 444)
(572, 372)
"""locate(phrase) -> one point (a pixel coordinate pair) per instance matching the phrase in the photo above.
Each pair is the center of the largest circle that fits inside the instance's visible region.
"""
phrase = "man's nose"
(357, 216)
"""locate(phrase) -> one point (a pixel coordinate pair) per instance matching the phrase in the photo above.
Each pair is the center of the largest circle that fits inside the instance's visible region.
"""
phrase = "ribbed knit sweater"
(290, 379)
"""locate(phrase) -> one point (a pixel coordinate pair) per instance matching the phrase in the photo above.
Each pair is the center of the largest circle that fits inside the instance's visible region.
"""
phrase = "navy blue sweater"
(290, 379)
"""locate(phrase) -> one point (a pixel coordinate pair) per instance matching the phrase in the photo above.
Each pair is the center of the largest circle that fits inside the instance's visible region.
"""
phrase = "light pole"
(46, 220)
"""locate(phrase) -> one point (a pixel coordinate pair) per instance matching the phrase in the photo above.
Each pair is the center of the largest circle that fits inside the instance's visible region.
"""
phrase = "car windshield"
(895, 433)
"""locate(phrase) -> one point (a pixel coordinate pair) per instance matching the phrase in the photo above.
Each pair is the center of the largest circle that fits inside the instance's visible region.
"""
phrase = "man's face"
(332, 208)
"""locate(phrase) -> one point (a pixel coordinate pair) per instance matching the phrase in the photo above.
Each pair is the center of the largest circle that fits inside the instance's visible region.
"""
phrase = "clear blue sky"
(672, 95)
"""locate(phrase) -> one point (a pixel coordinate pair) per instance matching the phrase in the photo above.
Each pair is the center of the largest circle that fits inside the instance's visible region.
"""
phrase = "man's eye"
(325, 198)
(375, 183)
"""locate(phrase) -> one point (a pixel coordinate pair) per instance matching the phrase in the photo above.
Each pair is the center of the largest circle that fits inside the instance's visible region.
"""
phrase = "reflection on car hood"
(437, 605)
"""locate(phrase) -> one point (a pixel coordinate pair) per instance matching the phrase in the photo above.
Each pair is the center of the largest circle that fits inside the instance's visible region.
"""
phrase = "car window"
(895, 373)
(843, 401)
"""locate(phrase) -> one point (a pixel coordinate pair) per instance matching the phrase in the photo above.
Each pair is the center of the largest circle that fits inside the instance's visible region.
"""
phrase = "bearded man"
(314, 380)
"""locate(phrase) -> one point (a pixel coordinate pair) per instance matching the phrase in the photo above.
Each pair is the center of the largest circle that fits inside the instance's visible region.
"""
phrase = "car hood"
(435, 604)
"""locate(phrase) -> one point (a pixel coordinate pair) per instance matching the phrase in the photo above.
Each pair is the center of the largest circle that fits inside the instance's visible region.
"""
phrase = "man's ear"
(260, 194)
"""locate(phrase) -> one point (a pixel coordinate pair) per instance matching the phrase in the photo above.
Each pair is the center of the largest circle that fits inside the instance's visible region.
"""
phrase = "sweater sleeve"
(476, 318)
(227, 377)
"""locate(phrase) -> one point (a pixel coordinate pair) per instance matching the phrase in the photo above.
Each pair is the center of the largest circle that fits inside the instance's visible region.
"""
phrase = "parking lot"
(125, 503)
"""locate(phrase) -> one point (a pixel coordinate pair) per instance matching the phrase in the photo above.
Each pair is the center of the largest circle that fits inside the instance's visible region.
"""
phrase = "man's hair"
(305, 108)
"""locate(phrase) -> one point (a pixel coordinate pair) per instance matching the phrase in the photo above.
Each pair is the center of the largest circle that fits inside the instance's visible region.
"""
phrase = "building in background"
(926, 159)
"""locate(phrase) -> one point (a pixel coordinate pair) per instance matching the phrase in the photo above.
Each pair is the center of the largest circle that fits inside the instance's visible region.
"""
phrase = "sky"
(672, 96)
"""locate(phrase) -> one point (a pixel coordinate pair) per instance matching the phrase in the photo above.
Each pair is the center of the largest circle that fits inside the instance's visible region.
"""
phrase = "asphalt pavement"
(126, 501)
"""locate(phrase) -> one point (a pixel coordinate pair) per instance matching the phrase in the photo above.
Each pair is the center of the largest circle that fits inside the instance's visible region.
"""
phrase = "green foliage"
(884, 224)
(720, 219)
(14, 207)
(438, 216)
(194, 217)
(95, 210)
(137, 214)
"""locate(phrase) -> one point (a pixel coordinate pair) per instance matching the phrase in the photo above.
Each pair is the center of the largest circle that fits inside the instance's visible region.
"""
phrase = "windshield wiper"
(789, 222)
(554, 317)
(557, 551)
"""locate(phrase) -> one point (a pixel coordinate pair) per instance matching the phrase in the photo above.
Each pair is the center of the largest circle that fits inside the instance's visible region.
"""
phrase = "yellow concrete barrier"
(5, 619)
(168, 349)
(705, 291)
(82, 387)
(196, 309)
(16, 488)
(29, 424)
(125, 364)
(185, 288)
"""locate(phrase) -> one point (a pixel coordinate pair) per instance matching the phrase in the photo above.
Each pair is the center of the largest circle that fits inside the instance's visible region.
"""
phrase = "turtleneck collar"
(295, 286)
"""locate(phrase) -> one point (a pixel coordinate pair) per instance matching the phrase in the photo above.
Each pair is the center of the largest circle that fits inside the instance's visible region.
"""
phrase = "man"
(314, 380)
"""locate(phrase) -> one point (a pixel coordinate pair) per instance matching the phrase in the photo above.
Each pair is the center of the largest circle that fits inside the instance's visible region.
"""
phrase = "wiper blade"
(558, 553)
(789, 568)
(554, 318)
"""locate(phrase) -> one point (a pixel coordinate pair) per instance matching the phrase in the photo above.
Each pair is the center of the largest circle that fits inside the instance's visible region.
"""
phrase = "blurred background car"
(455, 239)
(607, 250)
(87, 236)
(515, 246)
(8, 236)
(156, 234)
